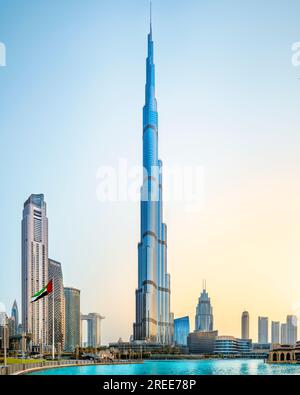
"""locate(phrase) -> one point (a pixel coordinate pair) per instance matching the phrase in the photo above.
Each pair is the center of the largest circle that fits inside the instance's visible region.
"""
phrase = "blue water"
(200, 367)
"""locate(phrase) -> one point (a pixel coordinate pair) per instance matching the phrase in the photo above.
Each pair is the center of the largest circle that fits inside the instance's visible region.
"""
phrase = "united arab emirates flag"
(43, 292)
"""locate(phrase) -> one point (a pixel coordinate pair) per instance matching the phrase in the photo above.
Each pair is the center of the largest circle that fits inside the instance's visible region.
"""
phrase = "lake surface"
(184, 367)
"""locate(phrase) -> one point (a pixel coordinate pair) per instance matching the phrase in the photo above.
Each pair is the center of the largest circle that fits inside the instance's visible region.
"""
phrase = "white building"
(263, 330)
(275, 331)
(35, 269)
(291, 327)
(93, 329)
(283, 336)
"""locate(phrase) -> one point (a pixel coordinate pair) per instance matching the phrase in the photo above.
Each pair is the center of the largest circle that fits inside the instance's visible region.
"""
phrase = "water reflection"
(195, 367)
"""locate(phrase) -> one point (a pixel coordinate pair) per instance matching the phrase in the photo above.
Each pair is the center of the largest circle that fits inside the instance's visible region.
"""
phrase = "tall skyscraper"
(55, 274)
(15, 316)
(283, 334)
(153, 318)
(245, 325)
(291, 327)
(263, 330)
(35, 269)
(275, 332)
(72, 317)
(204, 320)
(93, 329)
(181, 331)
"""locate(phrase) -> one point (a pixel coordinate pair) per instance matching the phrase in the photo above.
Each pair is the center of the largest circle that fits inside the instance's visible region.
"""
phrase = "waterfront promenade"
(24, 368)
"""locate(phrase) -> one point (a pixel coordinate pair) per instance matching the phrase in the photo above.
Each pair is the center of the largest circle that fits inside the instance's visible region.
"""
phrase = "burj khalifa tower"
(154, 321)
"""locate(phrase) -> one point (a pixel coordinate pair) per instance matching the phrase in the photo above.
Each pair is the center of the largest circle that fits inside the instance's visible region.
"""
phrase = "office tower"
(72, 318)
(55, 274)
(263, 331)
(181, 331)
(283, 335)
(291, 329)
(93, 329)
(15, 316)
(275, 332)
(153, 319)
(204, 320)
(245, 325)
(35, 269)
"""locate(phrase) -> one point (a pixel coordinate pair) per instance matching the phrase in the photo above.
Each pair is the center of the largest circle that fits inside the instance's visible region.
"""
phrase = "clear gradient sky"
(71, 100)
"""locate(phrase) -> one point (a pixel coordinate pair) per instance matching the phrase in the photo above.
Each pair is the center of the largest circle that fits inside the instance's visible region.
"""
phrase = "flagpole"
(53, 341)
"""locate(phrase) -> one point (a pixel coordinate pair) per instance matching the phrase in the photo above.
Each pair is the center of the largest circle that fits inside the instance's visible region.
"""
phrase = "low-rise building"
(285, 354)
(181, 331)
(229, 345)
(137, 346)
(202, 342)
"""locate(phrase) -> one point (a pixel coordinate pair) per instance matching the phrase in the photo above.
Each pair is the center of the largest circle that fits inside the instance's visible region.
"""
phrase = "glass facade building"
(229, 345)
(72, 317)
(202, 342)
(275, 332)
(263, 330)
(153, 321)
(291, 328)
(15, 318)
(283, 334)
(55, 274)
(181, 331)
(204, 320)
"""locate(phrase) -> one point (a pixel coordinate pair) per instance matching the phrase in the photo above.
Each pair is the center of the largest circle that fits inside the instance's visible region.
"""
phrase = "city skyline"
(90, 336)
(248, 231)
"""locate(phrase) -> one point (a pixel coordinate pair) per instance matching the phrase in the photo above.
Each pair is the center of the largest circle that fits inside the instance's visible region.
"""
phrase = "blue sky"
(71, 100)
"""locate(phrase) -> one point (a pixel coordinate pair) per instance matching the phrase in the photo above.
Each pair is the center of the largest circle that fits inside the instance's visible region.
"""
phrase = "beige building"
(285, 354)
(245, 325)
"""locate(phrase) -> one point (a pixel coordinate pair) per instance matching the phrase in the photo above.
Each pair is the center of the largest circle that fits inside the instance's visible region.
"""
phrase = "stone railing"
(16, 368)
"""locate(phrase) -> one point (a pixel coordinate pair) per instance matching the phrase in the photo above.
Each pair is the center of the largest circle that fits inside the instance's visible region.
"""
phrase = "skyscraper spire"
(150, 100)
(151, 18)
